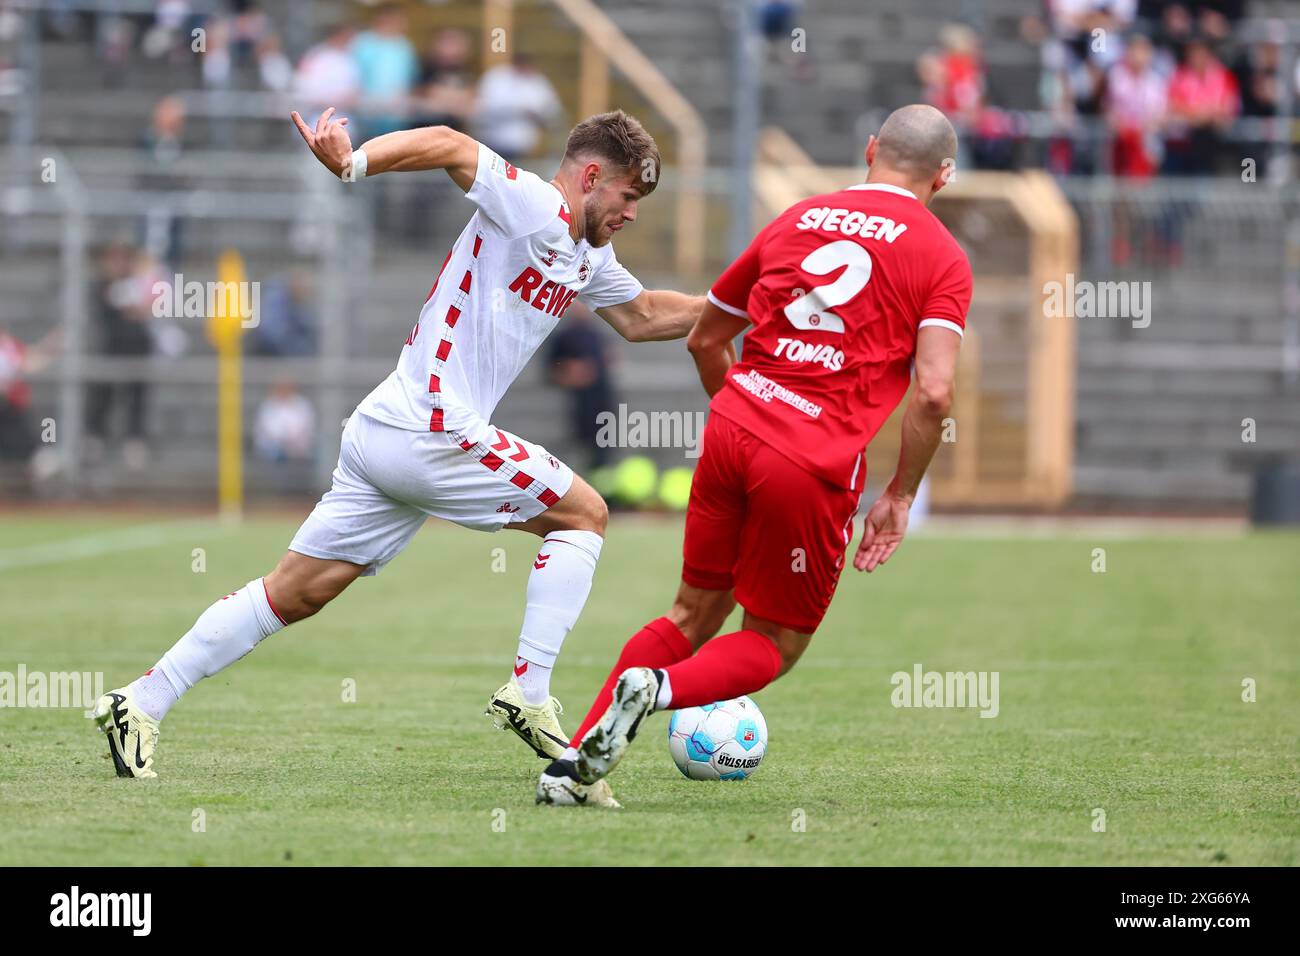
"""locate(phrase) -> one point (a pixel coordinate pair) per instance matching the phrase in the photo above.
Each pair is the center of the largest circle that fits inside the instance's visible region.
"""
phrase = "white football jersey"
(504, 286)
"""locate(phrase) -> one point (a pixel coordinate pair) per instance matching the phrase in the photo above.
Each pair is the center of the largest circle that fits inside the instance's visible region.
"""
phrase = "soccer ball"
(722, 741)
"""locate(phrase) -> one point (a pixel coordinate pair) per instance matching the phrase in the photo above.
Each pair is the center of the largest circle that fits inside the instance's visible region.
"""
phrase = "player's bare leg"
(572, 532)
(298, 587)
(301, 585)
(696, 616)
(699, 613)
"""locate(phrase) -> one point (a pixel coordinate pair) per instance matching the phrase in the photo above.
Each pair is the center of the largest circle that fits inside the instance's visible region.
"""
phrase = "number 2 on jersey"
(812, 311)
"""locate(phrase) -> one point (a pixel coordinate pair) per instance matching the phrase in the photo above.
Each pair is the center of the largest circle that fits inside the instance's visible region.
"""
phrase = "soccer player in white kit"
(423, 443)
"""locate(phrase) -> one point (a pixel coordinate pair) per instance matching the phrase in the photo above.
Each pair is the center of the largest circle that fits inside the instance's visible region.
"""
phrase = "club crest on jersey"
(584, 270)
(502, 168)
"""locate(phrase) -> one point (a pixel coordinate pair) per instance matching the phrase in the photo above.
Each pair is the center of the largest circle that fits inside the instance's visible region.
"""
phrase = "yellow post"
(225, 326)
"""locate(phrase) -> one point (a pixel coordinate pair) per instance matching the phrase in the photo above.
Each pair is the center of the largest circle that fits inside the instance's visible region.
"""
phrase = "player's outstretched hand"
(329, 141)
(882, 532)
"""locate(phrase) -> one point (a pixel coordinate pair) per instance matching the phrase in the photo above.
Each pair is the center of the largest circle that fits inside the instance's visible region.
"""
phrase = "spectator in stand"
(1076, 23)
(1135, 111)
(1203, 102)
(777, 20)
(1081, 40)
(1178, 20)
(12, 80)
(1054, 94)
(328, 74)
(215, 63)
(164, 140)
(19, 438)
(240, 41)
(163, 145)
(123, 309)
(953, 79)
(445, 95)
(388, 69)
(1257, 73)
(288, 321)
(285, 426)
(515, 104)
(954, 76)
(114, 36)
(167, 36)
(274, 69)
(248, 28)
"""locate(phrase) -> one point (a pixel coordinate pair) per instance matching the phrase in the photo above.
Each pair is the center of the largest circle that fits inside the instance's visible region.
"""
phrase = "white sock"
(570, 753)
(223, 634)
(664, 699)
(557, 590)
(534, 680)
(154, 692)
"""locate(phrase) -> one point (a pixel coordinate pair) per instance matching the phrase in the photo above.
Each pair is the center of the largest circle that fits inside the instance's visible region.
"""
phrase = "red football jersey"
(837, 288)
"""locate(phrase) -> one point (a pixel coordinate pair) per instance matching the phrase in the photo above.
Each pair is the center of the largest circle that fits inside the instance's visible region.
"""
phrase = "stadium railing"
(60, 217)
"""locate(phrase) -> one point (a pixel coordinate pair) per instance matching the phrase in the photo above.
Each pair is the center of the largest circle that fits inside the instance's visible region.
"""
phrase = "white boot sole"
(604, 746)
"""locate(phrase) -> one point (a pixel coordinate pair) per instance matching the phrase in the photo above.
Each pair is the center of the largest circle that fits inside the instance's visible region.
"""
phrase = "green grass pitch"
(1119, 691)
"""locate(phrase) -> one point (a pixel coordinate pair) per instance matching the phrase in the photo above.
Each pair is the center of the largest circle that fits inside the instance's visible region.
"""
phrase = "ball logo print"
(722, 741)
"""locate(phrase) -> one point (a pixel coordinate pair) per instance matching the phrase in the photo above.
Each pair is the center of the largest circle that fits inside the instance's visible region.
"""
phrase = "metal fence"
(1155, 404)
(52, 227)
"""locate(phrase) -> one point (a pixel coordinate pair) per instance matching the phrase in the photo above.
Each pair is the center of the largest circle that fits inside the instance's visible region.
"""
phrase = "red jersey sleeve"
(949, 298)
(731, 292)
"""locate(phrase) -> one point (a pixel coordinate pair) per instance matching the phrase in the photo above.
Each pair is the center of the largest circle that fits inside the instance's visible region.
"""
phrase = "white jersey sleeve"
(611, 285)
(516, 201)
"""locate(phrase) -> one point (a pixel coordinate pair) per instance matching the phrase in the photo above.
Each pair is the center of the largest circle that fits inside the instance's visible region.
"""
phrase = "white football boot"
(605, 744)
(537, 725)
(559, 786)
(132, 734)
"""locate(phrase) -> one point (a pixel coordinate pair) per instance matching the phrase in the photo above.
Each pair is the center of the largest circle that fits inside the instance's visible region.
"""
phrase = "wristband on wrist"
(355, 168)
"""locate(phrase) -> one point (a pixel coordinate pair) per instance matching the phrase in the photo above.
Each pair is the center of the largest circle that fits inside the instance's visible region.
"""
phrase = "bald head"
(915, 140)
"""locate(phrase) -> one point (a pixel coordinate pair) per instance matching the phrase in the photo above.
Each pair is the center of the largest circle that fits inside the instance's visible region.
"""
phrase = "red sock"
(738, 663)
(658, 644)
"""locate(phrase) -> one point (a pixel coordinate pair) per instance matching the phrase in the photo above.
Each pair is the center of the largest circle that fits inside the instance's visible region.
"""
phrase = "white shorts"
(389, 480)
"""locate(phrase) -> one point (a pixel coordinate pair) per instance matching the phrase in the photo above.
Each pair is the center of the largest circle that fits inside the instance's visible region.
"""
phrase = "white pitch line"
(104, 543)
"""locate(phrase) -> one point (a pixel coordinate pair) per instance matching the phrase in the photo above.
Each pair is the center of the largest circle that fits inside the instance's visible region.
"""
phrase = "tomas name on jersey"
(837, 288)
(506, 283)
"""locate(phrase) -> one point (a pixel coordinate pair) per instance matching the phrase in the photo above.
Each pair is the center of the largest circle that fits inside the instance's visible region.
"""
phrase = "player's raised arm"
(654, 316)
(409, 150)
(936, 372)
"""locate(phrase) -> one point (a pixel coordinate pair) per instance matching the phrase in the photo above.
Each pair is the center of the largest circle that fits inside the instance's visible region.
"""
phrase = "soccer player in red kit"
(843, 294)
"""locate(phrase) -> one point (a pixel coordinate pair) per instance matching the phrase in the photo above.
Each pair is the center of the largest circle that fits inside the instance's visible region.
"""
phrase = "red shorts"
(762, 525)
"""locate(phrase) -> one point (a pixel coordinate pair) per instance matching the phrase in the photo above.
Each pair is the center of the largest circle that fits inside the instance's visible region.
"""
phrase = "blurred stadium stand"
(1159, 409)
